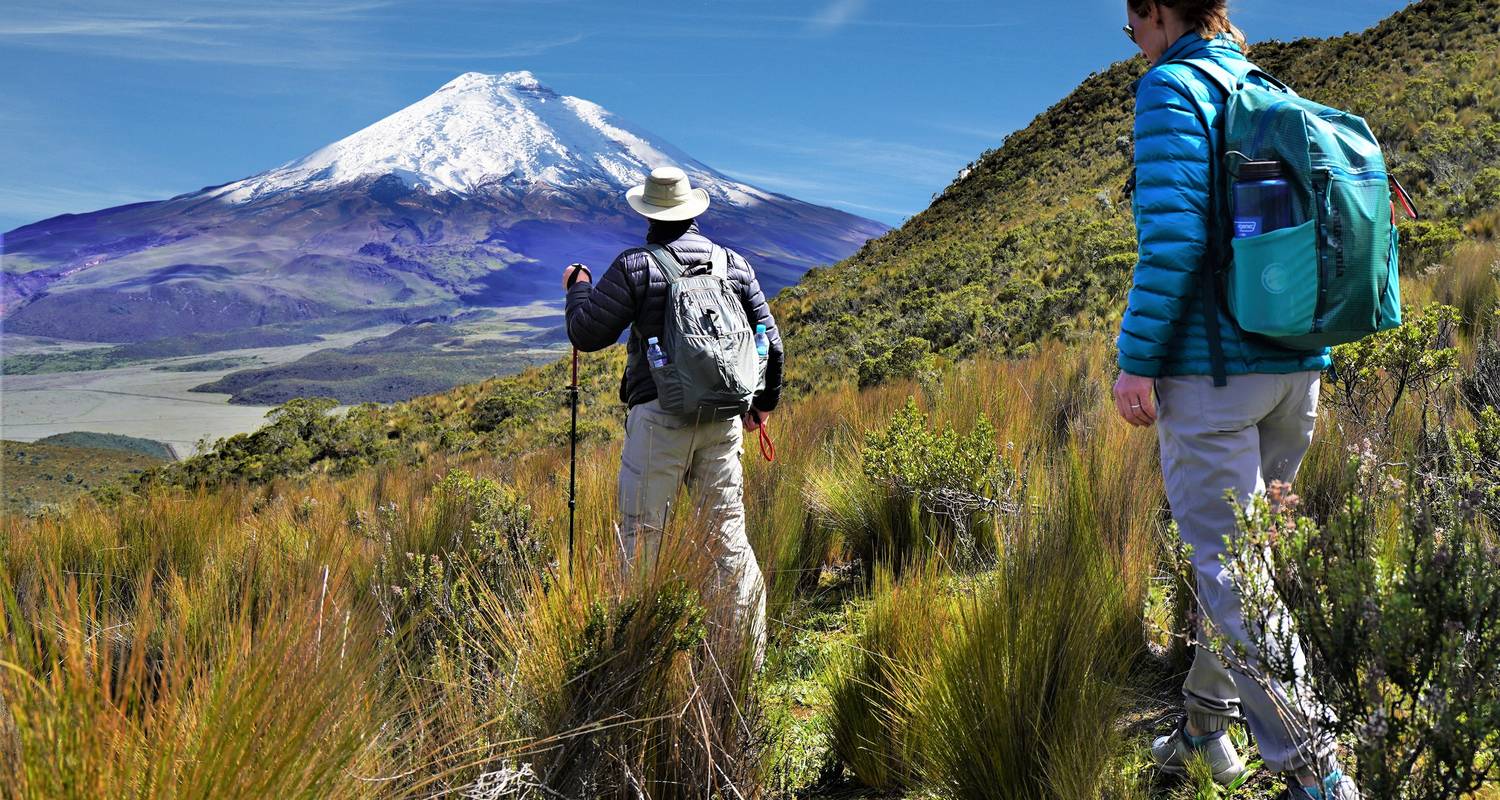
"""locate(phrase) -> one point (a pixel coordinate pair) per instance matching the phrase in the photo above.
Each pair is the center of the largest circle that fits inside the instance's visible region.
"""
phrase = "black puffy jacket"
(633, 291)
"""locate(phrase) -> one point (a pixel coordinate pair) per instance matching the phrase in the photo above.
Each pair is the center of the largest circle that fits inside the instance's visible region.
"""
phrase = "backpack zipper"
(1357, 176)
(1320, 195)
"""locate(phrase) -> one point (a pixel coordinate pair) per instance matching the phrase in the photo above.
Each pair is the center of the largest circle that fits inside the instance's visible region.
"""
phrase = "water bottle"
(1262, 200)
(654, 353)
(762, 341)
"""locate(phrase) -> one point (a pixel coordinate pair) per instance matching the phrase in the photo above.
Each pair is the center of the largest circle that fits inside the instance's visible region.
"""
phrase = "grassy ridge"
(35, 476)
(1035, 238)
(1035, 241)
(429, 617)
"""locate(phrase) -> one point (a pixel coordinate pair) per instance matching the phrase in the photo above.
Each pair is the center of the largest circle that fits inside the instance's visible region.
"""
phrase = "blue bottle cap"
(760, 329)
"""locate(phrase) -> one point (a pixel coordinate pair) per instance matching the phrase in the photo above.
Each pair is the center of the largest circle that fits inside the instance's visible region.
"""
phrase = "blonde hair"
(1209, 17)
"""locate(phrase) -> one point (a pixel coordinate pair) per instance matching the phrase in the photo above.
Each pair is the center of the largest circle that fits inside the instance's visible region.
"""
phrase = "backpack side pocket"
(1273, 284)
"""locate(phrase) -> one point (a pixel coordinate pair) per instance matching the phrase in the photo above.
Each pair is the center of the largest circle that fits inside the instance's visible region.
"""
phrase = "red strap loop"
(767, 447)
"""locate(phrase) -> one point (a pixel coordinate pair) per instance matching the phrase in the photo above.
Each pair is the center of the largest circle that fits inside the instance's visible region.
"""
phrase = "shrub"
(1376, 373)
(1427, 243)
(507, 402)
(477, 541)
(1020, 700)
(1479, 387)
(919, 491)
(1400, 623)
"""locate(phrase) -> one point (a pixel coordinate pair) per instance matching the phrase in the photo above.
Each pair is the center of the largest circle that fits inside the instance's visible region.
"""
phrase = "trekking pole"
(573, 460)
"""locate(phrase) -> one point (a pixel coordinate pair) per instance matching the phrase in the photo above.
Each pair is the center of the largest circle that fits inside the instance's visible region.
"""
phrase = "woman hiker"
(1240, 437)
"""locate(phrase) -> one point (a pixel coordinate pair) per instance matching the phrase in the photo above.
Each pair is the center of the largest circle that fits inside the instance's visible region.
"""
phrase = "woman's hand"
(1135, 399)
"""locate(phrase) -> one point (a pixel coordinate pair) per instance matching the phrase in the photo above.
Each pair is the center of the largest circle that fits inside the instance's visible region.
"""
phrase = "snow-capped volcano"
(472, 196)
(481, 130)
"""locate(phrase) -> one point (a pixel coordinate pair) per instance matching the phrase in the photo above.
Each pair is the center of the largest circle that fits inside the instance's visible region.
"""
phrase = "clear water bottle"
(1262, 200)
(762, 341)
(654, 353)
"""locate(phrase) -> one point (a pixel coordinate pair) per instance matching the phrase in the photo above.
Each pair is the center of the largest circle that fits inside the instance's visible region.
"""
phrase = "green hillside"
(112, 441)
(1036, 237)
(1036, 240)
(36, 476)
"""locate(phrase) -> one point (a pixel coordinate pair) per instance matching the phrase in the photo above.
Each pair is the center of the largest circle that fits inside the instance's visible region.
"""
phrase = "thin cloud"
(112, 27)
(304, 34)
(836, 15)
(868, 155)
(993, 135)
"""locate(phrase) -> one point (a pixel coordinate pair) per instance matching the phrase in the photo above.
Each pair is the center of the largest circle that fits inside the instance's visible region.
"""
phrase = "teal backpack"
(1331, 278)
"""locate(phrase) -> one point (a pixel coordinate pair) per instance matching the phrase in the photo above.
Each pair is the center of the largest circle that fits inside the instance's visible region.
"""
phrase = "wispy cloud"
(864, 175)
(305, 34)
(98, 26)
(867, 155)
(829, 190)
(836, 15)
(993, 135)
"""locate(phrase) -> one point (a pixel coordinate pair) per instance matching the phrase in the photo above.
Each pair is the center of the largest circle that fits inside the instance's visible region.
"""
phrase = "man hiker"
(685, 425)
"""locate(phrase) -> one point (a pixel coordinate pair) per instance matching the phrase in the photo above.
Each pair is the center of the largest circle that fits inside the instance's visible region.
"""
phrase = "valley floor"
(141, 400)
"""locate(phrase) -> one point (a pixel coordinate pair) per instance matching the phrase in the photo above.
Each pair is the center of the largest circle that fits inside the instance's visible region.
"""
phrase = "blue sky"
(866, 105)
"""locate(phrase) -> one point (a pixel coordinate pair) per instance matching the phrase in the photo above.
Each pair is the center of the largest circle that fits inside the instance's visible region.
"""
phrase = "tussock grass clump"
(877, 687)
(1022, 702)
(93, 709)
(640, 687)
(1005, 685)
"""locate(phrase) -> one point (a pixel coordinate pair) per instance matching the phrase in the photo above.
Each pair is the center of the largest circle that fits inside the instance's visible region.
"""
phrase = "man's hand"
(754, 418)
(574, 273)
(1135, 399)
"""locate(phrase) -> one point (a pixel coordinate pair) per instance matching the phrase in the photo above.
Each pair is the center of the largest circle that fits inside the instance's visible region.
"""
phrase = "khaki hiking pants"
(1240, 437)
(662, 452)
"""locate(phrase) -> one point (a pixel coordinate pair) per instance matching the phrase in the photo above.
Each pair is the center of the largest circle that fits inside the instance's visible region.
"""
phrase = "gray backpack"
(712, 368)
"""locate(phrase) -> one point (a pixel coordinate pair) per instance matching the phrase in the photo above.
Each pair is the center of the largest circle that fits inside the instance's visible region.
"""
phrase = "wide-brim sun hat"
(666, 196)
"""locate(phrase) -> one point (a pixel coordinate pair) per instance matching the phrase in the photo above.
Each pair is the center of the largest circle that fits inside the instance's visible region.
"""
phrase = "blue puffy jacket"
(1163, 332)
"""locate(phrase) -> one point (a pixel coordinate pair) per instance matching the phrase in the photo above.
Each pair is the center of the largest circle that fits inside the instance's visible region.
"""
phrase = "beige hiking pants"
(662, 452)
(1240, 437)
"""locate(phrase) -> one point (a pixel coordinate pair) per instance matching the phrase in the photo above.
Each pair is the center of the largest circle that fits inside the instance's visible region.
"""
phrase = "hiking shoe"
(1173, 752)
(1337, 786)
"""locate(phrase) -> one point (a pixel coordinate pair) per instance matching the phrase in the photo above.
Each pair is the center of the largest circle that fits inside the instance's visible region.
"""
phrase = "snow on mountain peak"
(521, 79)
(479, 130)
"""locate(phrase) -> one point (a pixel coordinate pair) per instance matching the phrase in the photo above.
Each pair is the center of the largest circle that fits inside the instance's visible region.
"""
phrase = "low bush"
(1400, 622)
(919, 492)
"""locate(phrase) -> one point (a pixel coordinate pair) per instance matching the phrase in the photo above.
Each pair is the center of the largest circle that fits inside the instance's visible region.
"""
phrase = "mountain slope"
(473, 196)
(1036, 238)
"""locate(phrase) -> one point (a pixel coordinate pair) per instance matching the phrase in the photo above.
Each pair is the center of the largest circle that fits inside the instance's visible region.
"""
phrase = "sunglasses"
(1130, 32)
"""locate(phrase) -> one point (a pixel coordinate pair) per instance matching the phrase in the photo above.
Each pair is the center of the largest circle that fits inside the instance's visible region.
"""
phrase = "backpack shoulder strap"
(1226, 80)
(1215, 74)
(670, 266)
(1215, 258)
(719, 259)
